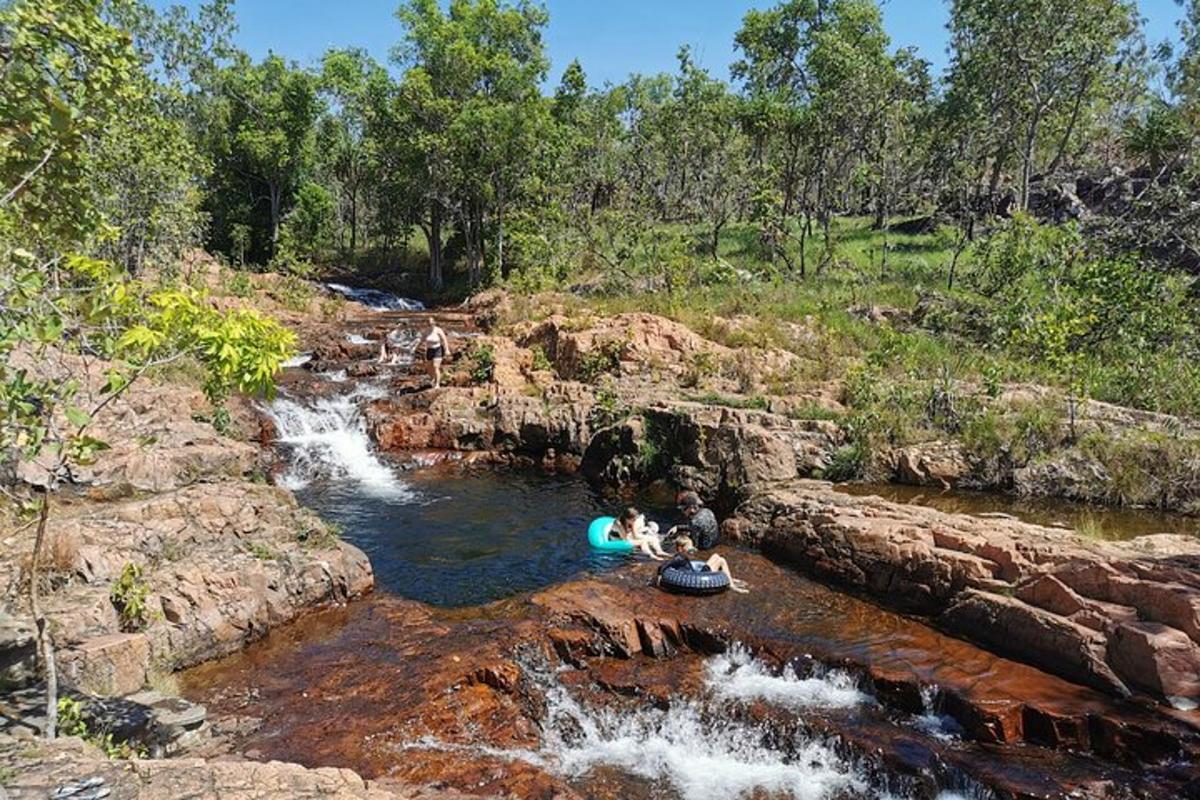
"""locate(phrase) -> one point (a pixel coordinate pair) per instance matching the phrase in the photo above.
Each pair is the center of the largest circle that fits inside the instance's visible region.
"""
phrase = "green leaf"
(78, 417)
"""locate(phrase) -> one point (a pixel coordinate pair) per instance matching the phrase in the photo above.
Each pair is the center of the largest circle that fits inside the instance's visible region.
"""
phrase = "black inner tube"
(699, 580)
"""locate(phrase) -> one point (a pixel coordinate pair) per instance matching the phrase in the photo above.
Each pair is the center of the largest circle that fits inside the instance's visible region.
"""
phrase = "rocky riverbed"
(1040, 662)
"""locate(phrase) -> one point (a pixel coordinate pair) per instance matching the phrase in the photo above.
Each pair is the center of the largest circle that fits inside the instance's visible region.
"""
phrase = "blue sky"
(612, 38)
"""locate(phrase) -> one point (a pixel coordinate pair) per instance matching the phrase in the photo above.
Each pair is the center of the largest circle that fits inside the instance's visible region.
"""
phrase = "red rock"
(1010, 626)
(1157, 658)
(1049, 593)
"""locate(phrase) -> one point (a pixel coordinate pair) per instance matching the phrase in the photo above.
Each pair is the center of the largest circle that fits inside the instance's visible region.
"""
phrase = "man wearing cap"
(700, 524)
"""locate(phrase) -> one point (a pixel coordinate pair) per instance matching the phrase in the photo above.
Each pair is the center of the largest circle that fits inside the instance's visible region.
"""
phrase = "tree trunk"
(45, 645)
(276, 198)
(1027, 161)
(433, 235)
(500, 235)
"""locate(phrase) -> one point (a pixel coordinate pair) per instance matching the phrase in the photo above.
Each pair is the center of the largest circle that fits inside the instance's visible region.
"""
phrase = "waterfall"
(738, 676)
(326, 438)
(375, 299)
(702, 749)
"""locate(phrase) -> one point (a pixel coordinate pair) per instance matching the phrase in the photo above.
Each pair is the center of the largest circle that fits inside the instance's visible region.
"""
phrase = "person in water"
(437, 347)
(632, 527)
(700, 524)
(390, 347)
(715, 563)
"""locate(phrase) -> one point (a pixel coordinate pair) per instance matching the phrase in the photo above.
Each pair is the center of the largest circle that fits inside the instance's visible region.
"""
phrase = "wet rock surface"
(1118, 616)
(394, 688)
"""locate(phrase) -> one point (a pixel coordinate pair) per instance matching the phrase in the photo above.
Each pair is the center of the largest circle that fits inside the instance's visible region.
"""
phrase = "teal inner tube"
(598, 537)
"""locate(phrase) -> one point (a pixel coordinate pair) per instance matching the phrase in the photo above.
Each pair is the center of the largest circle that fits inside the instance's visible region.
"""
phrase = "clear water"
(468, 538)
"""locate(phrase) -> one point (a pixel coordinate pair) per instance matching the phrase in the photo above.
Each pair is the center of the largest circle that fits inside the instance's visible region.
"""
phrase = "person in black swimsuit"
(437, 347)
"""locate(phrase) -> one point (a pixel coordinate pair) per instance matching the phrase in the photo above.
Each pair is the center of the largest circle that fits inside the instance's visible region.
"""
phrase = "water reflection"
(1097, 522)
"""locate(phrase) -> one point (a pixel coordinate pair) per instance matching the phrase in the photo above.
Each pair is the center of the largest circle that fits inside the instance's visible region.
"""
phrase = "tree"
(1032, 71)
(817, 74)
(259, 137)
(66, 77)
(344, 148)
(472, 86)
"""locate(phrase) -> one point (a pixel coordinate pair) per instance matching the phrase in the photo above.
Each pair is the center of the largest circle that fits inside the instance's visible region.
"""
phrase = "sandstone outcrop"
(1118, 616)
(220, 565)
(69, 768)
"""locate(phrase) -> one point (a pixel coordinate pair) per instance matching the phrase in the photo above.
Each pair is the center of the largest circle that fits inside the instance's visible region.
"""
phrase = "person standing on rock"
(700, 524)
(437, 348)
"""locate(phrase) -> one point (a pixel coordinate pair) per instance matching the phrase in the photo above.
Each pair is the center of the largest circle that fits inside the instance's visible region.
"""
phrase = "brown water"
(390, 688)
(421, 683)
(1101, 522)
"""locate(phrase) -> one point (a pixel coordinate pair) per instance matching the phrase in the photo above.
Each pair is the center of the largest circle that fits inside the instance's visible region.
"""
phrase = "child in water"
(715, 563)
(632, 527)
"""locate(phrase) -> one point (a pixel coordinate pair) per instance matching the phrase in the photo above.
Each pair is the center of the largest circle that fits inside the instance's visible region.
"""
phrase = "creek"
(460, 555)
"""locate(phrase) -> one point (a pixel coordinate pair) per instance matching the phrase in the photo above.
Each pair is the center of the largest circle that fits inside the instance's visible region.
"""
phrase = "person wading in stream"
(700, 524)
(437, 347)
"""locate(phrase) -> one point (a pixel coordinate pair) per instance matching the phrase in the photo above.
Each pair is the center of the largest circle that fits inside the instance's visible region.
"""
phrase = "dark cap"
(688, 500)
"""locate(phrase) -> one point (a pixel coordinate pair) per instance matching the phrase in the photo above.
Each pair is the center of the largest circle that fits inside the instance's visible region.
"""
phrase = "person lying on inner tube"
(700, 524)
(632, 527)
(715, 563)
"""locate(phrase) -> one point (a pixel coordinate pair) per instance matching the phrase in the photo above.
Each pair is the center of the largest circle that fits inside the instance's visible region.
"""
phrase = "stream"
(457, 553)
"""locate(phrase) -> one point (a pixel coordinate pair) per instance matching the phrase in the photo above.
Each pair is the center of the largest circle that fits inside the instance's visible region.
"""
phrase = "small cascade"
(326, 438)
(931, 721)
(703, 749)
(375, 299)
(738, 676)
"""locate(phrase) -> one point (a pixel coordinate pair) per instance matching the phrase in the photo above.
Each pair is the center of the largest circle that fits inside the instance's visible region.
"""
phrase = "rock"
(18, 652)
(107, 665)
(222, 565)
(1156, 658)
(942, 464)
(67, 768)
(1070, 605)
(1018, 630)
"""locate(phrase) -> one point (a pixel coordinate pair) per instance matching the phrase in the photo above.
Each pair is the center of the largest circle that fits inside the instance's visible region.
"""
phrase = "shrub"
(129, 595)
(483, 363)
(605, 359)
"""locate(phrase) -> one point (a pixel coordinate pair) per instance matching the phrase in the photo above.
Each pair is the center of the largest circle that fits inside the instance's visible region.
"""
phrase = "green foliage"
(240, 284)
(603, 359)
(848, 463)
(72, 721)
(541, 362)
(608, 410)
(129, 594)
(483, 363)
(261, 551)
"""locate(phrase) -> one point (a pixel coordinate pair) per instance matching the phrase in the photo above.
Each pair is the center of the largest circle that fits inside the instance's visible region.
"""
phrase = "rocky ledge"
(169, 550)
(395, 689)
(71, 769)
(1119, 616)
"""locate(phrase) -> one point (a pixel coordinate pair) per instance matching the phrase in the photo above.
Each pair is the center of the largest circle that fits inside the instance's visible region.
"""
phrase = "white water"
(327, 439)
(701, 758)
(738, 676)
(931, 721)
(701, 750)
(375, 299)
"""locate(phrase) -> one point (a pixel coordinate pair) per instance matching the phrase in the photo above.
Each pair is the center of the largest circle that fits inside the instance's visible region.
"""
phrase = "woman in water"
(437, 348)
(715, 563)
(632, 527)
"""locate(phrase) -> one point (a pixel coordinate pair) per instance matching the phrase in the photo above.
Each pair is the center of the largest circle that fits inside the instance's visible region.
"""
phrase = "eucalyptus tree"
(817, 75)
(472, 87)
(344, 148)
(259, 134)
(1032, 72)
